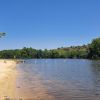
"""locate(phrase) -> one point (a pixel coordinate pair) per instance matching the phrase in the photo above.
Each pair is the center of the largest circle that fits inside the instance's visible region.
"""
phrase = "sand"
(11, 78)
(8, 76)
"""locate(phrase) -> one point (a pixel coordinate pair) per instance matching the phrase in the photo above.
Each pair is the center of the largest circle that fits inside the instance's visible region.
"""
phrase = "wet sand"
(30, 87)
(14, 87)
(35, 92)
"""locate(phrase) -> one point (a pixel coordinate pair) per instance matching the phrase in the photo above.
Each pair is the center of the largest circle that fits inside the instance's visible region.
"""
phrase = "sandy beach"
(8, 76)
(10, 80)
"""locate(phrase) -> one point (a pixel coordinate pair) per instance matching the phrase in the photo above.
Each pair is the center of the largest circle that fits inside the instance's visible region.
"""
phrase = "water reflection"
(60, 79)
(95, 67)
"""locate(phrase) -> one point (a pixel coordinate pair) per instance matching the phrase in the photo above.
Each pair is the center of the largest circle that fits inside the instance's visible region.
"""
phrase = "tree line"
(91, 51)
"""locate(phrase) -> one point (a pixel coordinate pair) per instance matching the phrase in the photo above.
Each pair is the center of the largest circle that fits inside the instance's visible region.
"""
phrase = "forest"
(89, 51)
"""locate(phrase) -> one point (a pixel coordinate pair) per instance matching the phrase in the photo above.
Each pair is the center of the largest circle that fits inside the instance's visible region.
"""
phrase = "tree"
(2, 34)
(94, 49)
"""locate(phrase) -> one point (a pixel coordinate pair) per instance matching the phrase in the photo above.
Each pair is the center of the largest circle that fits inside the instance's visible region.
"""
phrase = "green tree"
(94, 49)
(2, 34)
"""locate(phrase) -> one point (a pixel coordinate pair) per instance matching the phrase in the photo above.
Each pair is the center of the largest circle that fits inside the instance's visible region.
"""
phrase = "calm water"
(63, 79)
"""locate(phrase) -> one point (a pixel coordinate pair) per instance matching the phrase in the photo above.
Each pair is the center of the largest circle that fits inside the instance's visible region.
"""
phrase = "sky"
(47, 24)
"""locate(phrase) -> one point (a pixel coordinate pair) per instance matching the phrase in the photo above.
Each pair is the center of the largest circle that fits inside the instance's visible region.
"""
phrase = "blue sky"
(48, 23)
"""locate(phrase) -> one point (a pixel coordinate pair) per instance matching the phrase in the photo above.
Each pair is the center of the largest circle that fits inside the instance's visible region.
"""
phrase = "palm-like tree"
(2, 34)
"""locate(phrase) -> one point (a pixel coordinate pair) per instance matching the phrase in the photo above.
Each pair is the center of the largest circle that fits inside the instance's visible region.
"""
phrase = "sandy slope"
(8, 76)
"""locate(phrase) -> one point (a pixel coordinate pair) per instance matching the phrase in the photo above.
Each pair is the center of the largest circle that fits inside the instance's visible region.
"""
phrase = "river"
(58, 79)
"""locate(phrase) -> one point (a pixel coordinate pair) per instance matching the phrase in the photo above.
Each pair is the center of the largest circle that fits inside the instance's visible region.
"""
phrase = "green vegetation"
(70, 52)
(91, 51)
(94, 49)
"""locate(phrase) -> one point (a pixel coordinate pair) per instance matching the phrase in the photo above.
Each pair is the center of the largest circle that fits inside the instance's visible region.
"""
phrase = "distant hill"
(91, 51)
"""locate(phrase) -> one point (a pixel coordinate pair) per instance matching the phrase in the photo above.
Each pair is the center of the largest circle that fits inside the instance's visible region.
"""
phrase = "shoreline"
(10, 84)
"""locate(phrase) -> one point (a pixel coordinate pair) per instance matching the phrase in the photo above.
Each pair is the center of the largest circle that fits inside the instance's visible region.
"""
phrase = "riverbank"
(8, 76)
(13, 84)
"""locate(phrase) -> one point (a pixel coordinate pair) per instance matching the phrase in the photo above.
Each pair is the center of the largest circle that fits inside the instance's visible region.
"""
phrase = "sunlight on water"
(52, 79)
(59, 79)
